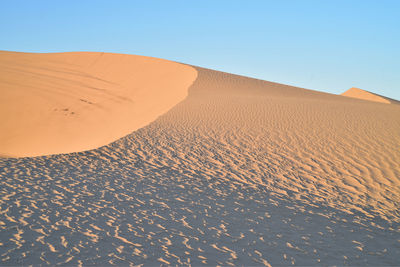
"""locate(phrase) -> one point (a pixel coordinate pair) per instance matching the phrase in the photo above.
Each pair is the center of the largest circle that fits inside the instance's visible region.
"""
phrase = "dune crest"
(68, 102)
(365, 95)
(241, 172)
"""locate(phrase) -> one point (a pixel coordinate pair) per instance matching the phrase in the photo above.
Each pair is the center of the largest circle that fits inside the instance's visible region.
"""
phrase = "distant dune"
(365, 95)
(241, 172)
(68, 102)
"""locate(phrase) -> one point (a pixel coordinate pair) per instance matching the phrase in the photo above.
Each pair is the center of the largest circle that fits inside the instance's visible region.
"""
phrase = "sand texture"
(68, 102)
(242, 172)
(365, 95)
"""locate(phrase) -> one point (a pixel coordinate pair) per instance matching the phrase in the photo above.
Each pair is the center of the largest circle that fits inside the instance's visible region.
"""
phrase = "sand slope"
(307, 144)
(67, 102)
(242, 172)
(365, 95)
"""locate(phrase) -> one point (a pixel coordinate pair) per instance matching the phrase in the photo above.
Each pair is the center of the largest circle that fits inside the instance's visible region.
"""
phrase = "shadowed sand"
(242, 172)
(365, 95)
(68, 102)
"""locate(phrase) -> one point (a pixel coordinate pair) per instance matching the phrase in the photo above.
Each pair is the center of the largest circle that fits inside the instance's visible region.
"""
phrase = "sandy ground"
(68, 102)
(242, 172)
(365, 95)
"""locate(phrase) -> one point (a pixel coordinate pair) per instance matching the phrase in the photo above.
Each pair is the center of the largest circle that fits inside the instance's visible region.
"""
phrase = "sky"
(327, 46)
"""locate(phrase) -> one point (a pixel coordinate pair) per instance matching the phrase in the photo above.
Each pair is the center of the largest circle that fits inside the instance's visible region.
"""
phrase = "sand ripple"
(243, 172)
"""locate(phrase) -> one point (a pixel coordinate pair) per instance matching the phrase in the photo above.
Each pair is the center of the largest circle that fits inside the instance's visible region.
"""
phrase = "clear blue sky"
(323, 45)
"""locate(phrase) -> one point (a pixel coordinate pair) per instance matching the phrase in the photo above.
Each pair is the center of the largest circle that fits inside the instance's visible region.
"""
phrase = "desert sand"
(365, 95)
(69, 102)
(241, 172)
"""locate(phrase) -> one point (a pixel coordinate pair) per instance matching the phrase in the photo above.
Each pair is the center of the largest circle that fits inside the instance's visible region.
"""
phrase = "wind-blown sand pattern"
(68, 102)
(242, 172)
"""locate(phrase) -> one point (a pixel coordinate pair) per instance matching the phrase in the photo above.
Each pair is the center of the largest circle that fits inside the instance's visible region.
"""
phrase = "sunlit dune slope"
(365, 95)
(305, 144)
(310, 145)
(241, 172)
(67, 102)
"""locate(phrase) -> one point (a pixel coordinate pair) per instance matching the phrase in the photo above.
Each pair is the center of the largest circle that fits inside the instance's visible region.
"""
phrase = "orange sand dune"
(241, 172)
(315, 145)
(365, 95)
(68, 102)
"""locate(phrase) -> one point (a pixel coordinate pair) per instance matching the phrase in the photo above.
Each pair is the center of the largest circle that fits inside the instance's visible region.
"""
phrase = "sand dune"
(365, 95)
(242, 172)
(68, 102)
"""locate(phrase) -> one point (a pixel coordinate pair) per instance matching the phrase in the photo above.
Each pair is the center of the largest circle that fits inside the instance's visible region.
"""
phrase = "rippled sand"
(242, 172)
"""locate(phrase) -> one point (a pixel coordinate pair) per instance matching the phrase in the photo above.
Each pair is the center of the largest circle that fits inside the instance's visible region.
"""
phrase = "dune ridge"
(241, 172)
(365, 95)
(68, 102)
(308, 144)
